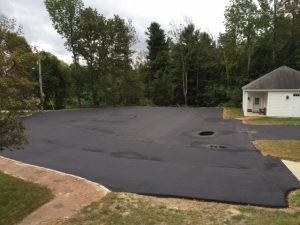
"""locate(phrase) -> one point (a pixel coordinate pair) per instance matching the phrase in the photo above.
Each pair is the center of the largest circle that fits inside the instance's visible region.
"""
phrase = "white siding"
(245, 102)
(279, 106)
(296, 105)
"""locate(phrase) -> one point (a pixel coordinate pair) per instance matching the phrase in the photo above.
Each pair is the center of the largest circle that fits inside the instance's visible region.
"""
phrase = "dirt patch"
(71, 193)
(128, 209)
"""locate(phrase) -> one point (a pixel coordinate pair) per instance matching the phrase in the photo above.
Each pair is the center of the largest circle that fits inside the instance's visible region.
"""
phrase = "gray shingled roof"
(281, 78)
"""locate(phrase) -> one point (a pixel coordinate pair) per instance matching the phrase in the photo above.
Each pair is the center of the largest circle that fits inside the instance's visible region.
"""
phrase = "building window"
(296, 95)
(256, 101)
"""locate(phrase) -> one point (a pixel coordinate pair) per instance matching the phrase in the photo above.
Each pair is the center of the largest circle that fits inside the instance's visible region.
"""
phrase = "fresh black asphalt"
(157, 151)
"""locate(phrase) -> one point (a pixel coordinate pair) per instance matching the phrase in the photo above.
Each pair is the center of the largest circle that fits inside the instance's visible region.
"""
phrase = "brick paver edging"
(71, 193)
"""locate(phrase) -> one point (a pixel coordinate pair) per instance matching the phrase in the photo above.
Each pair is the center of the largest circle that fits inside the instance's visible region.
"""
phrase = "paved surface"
(157, 151)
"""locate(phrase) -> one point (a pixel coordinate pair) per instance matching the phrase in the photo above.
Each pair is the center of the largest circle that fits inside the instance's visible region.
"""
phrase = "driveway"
(157, 151)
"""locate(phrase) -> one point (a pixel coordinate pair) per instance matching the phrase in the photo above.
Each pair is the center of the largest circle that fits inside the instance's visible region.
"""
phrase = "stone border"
(71, 193)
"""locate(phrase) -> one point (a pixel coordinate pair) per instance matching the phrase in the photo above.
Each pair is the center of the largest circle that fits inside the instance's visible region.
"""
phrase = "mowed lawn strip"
(237, 113)
(128, 209)
(274, 121)
(19, 198)
(281, 149)
(232, 113)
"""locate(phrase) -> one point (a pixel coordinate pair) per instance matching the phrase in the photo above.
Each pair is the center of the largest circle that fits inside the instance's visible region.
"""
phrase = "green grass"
(253, 216)
(282, 149)
(128, 209)
(274, 121)
(232, 113)
(237, 113)
(19, 198)
(295, 199)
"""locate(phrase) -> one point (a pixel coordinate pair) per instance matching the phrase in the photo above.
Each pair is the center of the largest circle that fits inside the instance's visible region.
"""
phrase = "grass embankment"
(237, 113)
(128, 209)
(19, 198)
(282, 149)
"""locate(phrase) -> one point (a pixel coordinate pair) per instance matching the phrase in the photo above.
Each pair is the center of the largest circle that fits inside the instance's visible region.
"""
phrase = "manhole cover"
(217, 146)
(206, 133)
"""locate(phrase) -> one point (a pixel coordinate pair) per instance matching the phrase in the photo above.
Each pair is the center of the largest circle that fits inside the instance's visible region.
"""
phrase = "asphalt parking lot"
(158, 151)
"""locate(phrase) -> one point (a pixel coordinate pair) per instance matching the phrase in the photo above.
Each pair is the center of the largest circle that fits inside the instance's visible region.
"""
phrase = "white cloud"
(37, 27)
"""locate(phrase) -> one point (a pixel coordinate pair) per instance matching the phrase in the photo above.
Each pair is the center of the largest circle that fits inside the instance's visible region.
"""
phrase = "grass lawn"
(237, 113)
(232, 113)
(19, 198)
(282, 149)
(128, 209)
(274, 121)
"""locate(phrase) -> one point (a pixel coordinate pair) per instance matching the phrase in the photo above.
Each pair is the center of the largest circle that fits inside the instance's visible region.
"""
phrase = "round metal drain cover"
(217, 146)
(206, 133)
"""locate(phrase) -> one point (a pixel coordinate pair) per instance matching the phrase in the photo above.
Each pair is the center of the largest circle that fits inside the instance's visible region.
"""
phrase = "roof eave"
(297, 89)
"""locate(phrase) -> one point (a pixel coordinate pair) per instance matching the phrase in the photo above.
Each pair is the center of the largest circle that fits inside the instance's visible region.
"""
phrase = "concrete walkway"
(71, 193)
(294, 167)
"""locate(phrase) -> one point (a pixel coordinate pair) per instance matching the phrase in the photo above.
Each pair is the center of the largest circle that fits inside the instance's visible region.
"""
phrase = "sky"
(208, 15)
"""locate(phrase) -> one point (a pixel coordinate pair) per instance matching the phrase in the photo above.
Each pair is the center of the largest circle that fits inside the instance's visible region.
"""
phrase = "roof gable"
(282, 78)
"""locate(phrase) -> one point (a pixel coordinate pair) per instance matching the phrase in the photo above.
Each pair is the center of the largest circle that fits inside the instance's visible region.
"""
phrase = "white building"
(276, 94)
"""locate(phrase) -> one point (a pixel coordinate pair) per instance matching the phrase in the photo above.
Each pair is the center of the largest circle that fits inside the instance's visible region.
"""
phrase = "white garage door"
(295, 109)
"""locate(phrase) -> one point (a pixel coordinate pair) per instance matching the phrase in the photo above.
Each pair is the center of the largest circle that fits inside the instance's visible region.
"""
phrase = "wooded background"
(182, 65)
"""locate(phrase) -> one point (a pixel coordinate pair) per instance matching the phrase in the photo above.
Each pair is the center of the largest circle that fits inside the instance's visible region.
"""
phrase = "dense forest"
(182, 65)
(191, 67)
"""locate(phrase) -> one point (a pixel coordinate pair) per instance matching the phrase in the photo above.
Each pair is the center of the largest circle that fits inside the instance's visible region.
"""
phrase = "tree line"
(182, 65)
(191, 67)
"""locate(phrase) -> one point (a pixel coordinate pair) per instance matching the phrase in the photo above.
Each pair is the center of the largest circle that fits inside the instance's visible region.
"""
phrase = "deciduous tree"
(17, 93)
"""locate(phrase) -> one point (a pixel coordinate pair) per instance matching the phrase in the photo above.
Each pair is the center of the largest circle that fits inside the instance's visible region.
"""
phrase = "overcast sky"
(37, 28)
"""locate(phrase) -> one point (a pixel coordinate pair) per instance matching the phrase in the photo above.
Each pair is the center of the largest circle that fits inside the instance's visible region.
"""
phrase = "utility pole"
(41, 83)
(275, 2)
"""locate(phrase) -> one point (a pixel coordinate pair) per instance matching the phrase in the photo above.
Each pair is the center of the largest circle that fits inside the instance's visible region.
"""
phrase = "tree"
(93, 47)
(159, 81)
(157, 46)
(207, 77)
(131, 89)
(17, 91)
(104, 44)
(56, 81)
(238, 44)
(292, 9)
(64, 15)
(186, 41)
(122, 37)
(242, 20)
